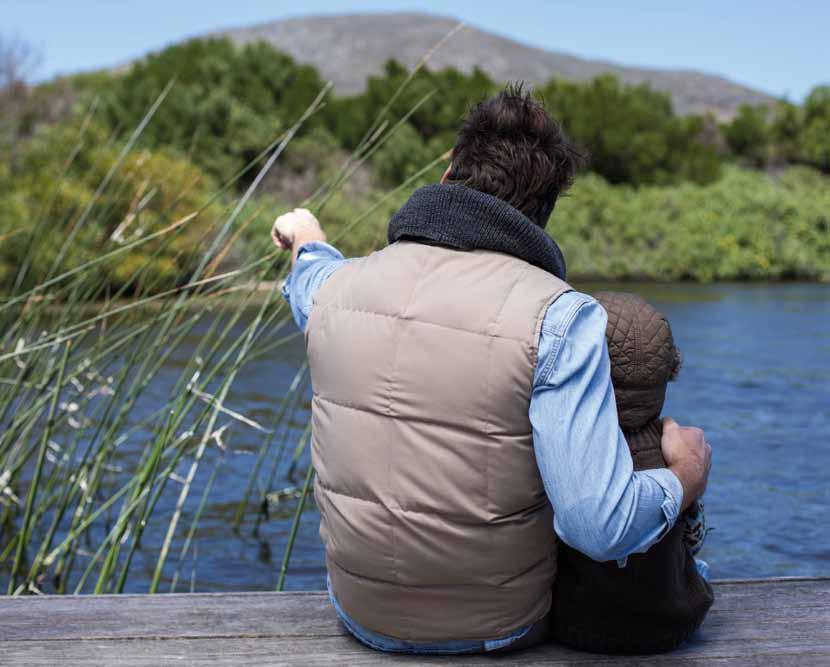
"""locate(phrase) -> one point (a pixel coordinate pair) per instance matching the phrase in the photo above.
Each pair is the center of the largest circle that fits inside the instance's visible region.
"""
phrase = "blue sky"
(782, 48)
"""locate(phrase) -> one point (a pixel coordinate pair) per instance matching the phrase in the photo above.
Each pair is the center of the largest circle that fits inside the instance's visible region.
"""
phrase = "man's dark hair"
(511, 148)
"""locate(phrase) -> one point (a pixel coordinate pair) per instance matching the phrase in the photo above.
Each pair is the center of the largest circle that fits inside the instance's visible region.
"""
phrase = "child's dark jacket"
(659, 599)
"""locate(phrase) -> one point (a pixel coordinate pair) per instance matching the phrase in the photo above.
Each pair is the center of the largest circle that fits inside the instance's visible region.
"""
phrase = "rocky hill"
(349, 48)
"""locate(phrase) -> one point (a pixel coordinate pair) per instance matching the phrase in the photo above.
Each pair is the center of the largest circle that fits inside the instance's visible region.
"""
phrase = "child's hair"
(644, 358)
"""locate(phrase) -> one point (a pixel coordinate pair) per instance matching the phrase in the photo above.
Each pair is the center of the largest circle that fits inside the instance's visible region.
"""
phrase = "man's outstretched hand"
(688, 456)
(294, 229)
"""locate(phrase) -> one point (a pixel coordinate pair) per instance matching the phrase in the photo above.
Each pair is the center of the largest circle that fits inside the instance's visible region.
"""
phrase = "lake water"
(756, 377)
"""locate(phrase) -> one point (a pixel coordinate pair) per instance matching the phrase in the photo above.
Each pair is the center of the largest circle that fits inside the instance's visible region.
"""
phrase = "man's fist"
(296, 228)
(688, 456)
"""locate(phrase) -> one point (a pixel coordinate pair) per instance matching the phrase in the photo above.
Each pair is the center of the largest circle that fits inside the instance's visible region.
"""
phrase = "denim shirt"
(601, 506)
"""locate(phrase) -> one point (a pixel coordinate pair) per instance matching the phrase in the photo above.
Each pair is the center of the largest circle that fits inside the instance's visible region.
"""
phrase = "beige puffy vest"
(433, 514)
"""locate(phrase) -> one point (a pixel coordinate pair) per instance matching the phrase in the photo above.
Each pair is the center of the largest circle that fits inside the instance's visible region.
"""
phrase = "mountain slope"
(349, 48)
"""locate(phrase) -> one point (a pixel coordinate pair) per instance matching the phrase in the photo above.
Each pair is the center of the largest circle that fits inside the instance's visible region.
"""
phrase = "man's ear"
(446, 174)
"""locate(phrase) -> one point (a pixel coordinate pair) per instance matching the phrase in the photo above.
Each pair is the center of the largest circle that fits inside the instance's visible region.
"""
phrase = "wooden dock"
(754, 622)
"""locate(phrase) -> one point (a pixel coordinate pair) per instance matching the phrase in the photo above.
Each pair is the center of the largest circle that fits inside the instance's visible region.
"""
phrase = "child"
(659, 598)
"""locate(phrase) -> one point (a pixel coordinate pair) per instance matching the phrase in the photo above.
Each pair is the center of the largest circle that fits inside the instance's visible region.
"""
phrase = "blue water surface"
(756, 377)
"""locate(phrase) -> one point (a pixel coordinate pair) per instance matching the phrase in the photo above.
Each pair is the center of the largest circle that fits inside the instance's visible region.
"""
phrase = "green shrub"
(748, 225)
(45, 204)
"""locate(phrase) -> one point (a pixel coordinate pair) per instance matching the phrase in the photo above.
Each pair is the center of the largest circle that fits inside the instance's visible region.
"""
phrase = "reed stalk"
(295, 525)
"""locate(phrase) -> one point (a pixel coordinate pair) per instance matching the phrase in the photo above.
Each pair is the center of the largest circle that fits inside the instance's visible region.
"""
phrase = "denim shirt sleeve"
(602, 508)
(315, 264)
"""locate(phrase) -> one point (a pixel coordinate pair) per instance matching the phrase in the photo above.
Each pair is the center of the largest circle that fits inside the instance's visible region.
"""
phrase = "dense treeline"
(747, 225)
(225, 106)
(228, 102)
(787, 134)
(670, 196)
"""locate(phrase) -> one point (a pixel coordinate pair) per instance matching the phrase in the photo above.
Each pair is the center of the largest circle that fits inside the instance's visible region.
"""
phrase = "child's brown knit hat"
(643, 357)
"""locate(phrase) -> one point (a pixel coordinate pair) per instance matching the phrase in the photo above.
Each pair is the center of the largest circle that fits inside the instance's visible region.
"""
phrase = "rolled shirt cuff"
(673, 490)
(672, 499)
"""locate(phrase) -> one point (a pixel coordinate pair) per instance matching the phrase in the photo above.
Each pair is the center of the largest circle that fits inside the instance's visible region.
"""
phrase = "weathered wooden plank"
(752, 623)
(773, 621)
(759, 598)
(329, 651)
(309, 614)
(167, 616)
(758, 592)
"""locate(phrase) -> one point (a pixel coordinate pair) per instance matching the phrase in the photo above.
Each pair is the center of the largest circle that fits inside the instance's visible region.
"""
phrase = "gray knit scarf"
(460, 217)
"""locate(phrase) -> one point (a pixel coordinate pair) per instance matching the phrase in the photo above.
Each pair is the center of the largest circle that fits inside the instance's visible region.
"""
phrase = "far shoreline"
(659, 289)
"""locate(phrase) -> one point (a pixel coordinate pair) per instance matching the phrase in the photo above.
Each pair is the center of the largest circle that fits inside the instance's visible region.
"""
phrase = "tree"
(403, 154)
(748, 135)
(630, 132)
(434, 103)
(17, 63)
(226, 105)
(785, 129)
(814, 141)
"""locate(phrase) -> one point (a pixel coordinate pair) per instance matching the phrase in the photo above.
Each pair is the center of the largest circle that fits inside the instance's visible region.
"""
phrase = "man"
(463, 413)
